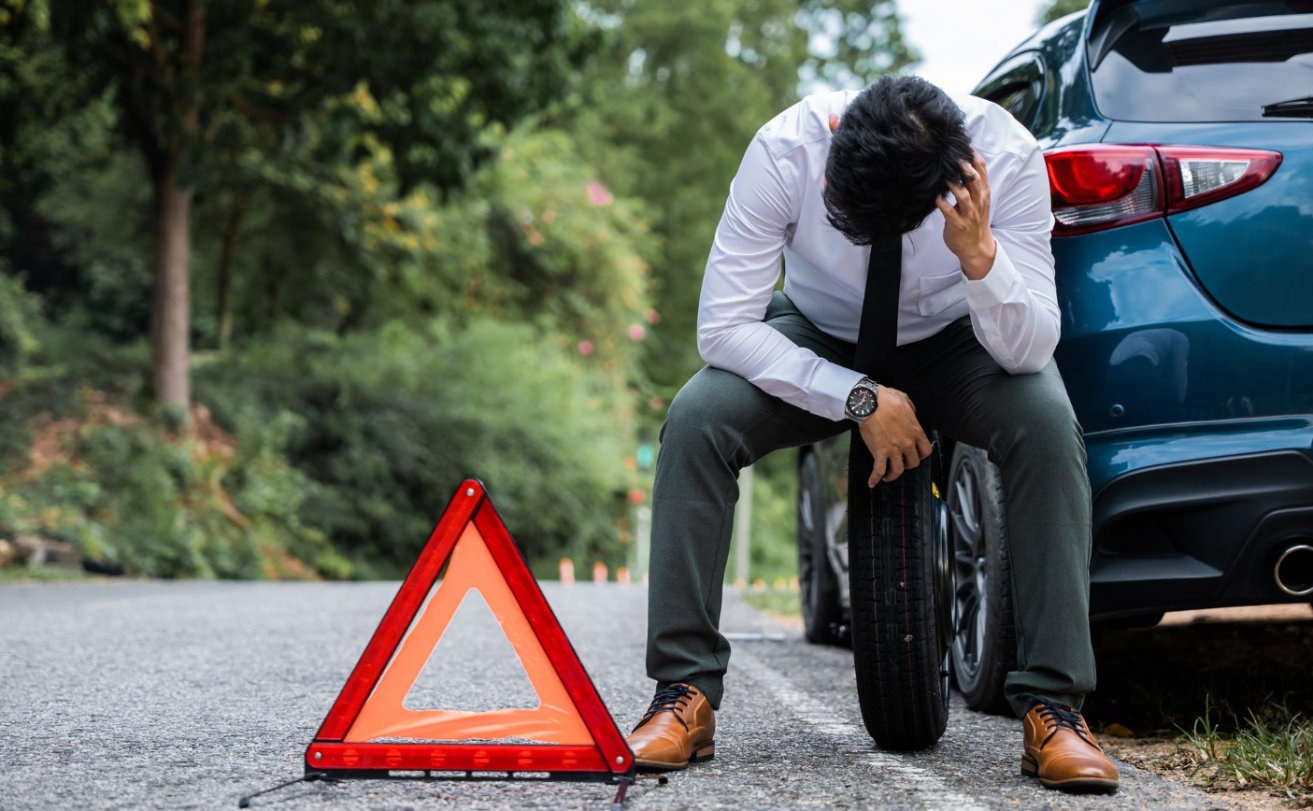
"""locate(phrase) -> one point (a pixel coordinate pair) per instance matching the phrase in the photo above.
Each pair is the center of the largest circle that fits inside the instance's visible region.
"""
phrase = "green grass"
(22, 574)
(775, 602)
(1271, 748)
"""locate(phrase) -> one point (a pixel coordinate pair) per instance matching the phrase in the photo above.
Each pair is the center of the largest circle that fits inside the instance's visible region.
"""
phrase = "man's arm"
(1013, 301)
(741, 274)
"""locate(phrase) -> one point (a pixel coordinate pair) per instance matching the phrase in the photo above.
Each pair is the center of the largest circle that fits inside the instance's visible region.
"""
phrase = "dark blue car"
(1179, 141)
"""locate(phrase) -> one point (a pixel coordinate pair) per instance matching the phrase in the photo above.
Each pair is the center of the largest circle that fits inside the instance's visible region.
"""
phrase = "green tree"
(1057, 9)
(186, 75)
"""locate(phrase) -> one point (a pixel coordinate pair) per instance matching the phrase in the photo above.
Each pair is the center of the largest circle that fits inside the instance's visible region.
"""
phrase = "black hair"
(897, 146)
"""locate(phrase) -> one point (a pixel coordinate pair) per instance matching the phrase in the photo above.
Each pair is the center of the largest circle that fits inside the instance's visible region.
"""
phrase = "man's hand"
(894, 437)
(966, 225)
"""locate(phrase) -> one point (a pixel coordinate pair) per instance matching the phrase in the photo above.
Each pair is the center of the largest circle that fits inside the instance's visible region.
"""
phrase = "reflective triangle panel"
(369, 727)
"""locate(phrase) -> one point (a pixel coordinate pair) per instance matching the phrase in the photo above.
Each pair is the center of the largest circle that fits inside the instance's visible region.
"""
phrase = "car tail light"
(1100, 186)
(1097, 187)
(1197, 176)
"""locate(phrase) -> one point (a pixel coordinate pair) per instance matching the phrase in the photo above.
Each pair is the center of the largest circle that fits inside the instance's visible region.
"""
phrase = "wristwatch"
(862, 400)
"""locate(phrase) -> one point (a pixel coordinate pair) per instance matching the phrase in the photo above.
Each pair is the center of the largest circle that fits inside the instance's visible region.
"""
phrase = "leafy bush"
(19, 310)
(388, 423)
(774, 517)
(122, 490)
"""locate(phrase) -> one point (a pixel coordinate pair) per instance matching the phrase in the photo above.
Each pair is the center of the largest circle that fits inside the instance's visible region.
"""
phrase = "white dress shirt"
(775, 209)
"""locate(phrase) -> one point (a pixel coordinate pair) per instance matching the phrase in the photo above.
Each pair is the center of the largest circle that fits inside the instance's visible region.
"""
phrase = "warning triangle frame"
(331, 756)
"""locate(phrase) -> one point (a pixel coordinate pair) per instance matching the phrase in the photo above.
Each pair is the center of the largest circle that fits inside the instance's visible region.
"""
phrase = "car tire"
(984, 647)
(818, 585)
(899, 643)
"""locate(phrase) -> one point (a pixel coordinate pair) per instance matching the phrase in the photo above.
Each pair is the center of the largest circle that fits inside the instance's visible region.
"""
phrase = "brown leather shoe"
(1062, 753)
(678, 728)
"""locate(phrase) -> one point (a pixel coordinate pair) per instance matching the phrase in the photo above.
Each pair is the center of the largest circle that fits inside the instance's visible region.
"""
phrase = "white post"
(743, 528)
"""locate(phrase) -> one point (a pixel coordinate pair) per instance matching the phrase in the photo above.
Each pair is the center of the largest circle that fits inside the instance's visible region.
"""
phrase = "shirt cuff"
(830, 389)
(997, 287)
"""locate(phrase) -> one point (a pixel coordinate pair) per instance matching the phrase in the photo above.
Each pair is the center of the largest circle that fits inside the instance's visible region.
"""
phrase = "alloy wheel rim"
(943, 596)
(970, 565)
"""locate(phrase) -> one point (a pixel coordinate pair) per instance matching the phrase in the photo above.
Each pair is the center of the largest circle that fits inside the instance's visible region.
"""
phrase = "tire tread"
(895, 647)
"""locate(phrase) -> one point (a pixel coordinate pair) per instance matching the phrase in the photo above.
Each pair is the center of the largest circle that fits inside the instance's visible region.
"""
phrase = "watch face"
(861, 402)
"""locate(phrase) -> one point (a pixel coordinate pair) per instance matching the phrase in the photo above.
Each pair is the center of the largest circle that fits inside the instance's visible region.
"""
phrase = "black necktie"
(877, 337)
(877, 340)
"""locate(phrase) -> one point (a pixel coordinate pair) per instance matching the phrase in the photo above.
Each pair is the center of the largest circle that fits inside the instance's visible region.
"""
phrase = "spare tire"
(901, 624)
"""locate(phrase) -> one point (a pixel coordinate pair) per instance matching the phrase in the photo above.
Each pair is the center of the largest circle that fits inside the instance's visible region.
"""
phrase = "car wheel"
(984, 646)
(822, 613)
(896, 567)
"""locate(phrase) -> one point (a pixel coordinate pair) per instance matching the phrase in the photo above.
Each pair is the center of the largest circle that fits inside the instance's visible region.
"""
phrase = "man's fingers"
(923, 446)
(969, 172)
(946, 207)
(981, 186)
(976, 184)
(911, 458)
(963, 195)
(895, 468)
(877, 473)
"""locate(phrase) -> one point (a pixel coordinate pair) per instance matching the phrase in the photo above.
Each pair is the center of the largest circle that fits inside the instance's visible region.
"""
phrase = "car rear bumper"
(1200, 530)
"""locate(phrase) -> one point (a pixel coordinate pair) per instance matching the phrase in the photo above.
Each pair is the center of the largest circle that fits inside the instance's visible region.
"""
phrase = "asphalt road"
(189, 695)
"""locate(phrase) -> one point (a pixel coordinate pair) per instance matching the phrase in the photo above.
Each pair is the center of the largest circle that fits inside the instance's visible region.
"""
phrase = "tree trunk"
(225, 271)
(171, 307)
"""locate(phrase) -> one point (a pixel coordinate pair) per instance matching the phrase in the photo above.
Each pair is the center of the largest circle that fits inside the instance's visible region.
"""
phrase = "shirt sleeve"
(740, 278)
(1014, 308)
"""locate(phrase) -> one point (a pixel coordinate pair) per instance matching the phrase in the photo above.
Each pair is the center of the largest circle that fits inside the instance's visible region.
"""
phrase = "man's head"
(896, 148)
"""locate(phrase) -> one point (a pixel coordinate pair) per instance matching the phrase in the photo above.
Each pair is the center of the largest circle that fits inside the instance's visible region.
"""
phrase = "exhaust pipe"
(1294, 571)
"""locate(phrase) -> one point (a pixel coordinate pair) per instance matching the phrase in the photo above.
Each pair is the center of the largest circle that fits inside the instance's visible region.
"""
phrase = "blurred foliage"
(1057, 9)
(774, 518)
(19, 310)
(784, 603)
(428, 241)
(196, 505)
(389, 422)
(710, 74)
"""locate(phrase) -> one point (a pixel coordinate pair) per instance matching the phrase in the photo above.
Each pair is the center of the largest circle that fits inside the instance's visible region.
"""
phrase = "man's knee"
(1041, 421)
(705, 411)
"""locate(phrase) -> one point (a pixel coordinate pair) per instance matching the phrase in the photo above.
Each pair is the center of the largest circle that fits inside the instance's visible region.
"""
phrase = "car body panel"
(1252, 253)
(1143, 344)
(1113, 454)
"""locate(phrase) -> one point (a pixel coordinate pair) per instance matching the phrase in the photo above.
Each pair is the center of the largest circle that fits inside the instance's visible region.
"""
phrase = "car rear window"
(1223, 68)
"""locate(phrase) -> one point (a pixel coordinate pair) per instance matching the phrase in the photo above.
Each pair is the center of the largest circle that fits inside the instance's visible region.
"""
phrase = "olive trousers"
(720, 423)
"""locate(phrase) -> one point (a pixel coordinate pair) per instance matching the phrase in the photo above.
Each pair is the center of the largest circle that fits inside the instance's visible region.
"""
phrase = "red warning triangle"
(370, 730)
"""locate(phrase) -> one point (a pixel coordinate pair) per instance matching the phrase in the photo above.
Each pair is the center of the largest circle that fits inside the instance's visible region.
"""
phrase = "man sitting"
(964, 187)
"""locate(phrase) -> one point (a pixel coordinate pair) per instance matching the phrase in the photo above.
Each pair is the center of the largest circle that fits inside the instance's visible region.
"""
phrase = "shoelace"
(1058, 717)
(668, 699)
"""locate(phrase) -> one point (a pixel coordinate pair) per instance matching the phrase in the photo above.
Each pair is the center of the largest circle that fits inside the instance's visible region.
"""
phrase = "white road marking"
(929, 788)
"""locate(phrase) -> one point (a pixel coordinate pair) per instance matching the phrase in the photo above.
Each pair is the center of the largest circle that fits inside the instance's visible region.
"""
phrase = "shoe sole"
(705, 753)
(1073, 785)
